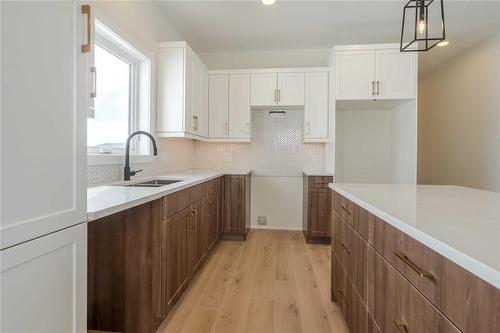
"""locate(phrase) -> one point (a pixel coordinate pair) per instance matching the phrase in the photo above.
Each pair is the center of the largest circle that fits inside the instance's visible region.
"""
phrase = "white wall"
(266, 59)
(459, 119)
(143, 24)
(279, 199)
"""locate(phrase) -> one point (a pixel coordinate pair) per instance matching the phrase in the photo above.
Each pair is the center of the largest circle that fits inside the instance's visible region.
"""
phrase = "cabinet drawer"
(175, 202)
(416, 262)
(320, 181)
(343, 207)
(396, 305)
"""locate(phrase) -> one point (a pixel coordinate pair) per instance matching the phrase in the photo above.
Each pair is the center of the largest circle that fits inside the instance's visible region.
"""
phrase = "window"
(122, 95)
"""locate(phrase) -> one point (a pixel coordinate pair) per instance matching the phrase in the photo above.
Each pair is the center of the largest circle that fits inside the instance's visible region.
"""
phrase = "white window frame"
(140, 95)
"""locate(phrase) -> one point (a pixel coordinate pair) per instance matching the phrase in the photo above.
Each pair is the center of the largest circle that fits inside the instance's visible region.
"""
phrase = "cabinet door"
(44, 108)
(316, 106)
(196, 237)
(264, 89)
(239, 106)
(218, 105)
(395, 74)
(291, 88)
(174, 257)
(202, 100)
(44, 284)
(319, 212)
(355, 74)
(234, 205)
(210, 220)
(189, 93)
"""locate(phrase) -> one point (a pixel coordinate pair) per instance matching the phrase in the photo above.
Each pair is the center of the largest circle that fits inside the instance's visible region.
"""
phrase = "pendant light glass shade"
(423, 25)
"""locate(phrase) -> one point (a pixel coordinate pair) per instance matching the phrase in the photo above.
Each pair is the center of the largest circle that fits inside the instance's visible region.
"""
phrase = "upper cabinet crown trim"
(366, 47)
(269, 70)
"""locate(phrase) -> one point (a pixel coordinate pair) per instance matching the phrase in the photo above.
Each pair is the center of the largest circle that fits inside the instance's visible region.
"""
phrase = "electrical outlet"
(261, 220)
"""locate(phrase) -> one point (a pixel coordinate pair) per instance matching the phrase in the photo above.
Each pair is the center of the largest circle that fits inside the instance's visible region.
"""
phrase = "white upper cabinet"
(316, 106)
(354, 72)
(44, 104)
(218, 105)
(239, 106)
(396, 74)
(291, 88)
(277, 89)
(182, 85)
(264, 89)
(372, 73)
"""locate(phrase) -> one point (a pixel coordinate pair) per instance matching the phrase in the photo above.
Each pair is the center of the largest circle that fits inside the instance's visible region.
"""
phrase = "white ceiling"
(217, 26)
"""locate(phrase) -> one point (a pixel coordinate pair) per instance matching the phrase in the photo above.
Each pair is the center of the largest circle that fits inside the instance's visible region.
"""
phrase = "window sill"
(111, 159)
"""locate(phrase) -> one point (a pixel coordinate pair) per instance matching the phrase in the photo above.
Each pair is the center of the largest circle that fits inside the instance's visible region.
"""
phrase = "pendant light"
(423, 25)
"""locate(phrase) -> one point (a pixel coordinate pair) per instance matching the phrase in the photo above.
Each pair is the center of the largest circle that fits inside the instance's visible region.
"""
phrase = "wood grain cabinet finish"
(404, 285)
(142, 259)
(236, 212)
(317, 208)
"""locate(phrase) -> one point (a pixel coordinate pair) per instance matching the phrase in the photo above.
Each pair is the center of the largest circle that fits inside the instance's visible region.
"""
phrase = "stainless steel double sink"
(153, 183)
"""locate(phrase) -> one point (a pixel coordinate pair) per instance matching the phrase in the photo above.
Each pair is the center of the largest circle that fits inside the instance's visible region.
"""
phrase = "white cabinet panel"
(189, 91)
(44, 286)
(218, 106)
(239, 106)
(203, 100)
(264, 89)
(170, 90)
(316, 106)
(396, 74)
(291, 88)
(44, 103)
(355, 74)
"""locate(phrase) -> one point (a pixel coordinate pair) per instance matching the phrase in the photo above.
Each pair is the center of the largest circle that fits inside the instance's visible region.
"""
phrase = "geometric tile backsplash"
(276, 148)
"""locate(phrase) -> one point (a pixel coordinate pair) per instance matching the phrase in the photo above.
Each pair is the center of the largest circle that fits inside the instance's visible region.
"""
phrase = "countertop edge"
(472, 265)
(318, 173)
(95, 215)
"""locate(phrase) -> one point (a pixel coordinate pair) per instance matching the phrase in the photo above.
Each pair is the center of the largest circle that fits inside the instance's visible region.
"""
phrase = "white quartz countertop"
(109, 199)
(317, 173)
(460, 223)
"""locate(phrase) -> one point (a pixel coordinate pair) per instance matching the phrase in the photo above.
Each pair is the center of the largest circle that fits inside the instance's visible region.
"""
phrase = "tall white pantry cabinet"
(45, 75)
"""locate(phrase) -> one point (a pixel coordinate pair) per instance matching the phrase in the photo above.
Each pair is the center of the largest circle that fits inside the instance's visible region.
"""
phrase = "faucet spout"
(126, 170)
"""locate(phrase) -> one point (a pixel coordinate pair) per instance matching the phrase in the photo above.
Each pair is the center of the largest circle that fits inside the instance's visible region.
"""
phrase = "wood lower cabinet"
(386, 281)
(317, 208)
(142, 259)
(236, 212)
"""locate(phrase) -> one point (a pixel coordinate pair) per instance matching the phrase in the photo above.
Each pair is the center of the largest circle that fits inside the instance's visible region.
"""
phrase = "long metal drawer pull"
(402, 327)
(345, 248)
(86, 9)
(423, 273)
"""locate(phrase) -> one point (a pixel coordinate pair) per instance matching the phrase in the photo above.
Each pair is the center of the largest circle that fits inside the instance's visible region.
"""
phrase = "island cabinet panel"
(141, 260)
(236, 206)
(317, 208)
(404, 285)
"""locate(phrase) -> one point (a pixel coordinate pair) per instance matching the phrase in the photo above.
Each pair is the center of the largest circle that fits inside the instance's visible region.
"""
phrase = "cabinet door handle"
(378, 88)
(195, 123)
(279, 95)
(226, 128)
(346, 249)
(308, 128)
(86, 9)
(248, 128)
(93, 94)
(423, 273)
(275, 95)
(373, 88)
(401, 327)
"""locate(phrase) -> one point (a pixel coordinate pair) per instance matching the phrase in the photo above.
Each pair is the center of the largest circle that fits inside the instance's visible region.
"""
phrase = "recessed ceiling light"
(443, 43)
(268, 2)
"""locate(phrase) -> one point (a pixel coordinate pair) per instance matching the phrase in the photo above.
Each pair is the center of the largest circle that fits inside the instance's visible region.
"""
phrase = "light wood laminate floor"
(273, 282)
